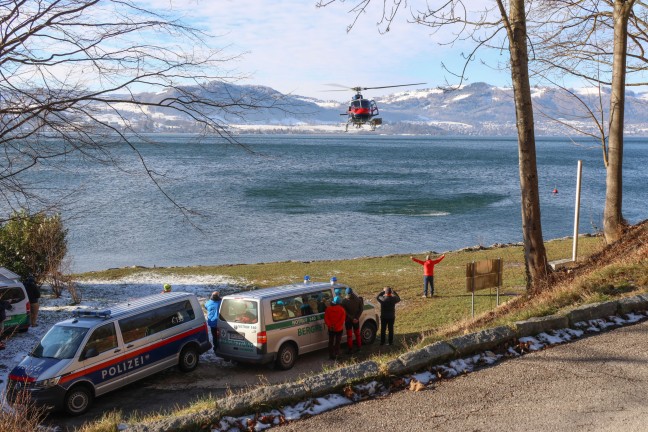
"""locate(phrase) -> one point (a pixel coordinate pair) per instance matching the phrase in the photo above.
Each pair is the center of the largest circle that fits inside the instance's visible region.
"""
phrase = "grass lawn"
(369, 275)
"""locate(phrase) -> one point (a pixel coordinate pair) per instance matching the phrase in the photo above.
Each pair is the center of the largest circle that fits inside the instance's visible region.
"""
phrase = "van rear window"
(12, 294)
(241, 311)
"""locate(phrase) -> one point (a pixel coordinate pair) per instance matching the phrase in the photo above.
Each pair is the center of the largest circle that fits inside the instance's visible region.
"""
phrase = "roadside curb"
(434, 354)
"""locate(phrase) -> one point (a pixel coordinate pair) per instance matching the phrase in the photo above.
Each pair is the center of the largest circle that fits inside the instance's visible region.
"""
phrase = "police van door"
(290, 320)
(98, 358)
(317, 303)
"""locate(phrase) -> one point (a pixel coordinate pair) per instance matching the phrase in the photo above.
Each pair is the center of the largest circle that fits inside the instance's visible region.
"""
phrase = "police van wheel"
(188, 359)
(368, 333)
(78, 400)
(286, 356)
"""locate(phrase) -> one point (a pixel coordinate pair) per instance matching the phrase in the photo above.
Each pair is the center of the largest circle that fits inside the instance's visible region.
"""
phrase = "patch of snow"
(460, 97)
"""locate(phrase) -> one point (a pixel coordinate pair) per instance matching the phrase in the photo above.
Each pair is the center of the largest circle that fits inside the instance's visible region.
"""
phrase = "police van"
(13, 291)
(95, 352)
(278, 324)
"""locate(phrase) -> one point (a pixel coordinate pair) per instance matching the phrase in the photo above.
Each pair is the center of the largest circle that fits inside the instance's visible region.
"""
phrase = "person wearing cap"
(428, 272)
(212, 306)
(353, 306)
(334, 317)
(166, 288)
(387, 299)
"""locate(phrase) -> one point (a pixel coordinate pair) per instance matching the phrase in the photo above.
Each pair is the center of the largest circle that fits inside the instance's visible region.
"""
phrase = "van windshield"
(241, 311)
(60, 342)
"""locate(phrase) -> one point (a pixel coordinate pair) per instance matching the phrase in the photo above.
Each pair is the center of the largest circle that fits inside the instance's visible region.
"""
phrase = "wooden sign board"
(484, 274)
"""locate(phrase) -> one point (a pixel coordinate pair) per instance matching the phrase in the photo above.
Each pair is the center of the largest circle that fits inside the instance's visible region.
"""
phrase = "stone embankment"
(268, 397)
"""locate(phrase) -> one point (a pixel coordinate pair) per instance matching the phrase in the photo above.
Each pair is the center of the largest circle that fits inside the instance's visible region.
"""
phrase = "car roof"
(9, 283)
(284, 290)
(125, 308)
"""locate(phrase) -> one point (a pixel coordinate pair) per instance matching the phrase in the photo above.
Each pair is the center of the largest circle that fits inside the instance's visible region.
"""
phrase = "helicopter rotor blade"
(398, 85)
(340, 85)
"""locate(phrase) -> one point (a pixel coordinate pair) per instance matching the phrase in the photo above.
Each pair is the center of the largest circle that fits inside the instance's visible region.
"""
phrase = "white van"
(95, 352)
(277, 324)
(14, 292)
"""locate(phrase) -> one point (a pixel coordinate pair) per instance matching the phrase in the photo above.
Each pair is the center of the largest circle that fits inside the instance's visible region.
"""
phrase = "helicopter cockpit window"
(365, 103)
(355, 104)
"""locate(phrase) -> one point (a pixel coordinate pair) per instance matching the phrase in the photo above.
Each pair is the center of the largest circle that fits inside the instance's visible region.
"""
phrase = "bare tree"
(71, 69)
(603, 42)
(483, 27)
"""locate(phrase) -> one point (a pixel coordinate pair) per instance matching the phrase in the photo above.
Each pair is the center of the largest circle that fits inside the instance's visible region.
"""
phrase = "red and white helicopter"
(363, 111)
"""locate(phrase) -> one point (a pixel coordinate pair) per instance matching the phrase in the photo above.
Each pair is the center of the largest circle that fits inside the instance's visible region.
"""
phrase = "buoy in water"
(555, 191)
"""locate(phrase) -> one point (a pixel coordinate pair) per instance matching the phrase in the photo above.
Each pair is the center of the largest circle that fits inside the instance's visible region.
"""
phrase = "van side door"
(97, 358)
(318, 302)
(153, 338)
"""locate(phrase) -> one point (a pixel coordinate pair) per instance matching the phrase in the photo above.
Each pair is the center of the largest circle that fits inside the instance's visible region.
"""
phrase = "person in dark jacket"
(334, 317)
(212, 305)
(387, 299)
(34, 294)
(4, 306)
(353, 306)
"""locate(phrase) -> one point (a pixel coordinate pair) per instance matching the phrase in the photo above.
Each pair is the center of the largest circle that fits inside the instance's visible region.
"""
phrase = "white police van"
(95, 352)
(278, 324)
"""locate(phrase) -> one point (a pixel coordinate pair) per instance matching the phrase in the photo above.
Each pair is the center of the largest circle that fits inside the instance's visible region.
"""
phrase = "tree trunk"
(534, 250)
(613, 222)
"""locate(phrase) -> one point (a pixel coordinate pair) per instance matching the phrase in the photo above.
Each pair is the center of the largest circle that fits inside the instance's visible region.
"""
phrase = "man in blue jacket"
(212, 305)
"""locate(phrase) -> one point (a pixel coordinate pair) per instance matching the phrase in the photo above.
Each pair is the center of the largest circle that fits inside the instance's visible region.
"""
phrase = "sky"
(295, 47)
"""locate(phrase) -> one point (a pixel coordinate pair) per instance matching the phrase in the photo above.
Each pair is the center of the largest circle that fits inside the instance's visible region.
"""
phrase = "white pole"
(579, 170)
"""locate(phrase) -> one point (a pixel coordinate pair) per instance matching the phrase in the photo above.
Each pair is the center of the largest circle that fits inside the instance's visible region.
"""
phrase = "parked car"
(278, 324)
(13, 291)
(95, 352)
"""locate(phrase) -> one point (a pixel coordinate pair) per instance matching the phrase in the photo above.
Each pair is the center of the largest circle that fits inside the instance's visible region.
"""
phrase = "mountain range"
(474, 109)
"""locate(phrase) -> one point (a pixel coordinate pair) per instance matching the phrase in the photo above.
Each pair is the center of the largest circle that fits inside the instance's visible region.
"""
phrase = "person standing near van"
(34, 294)
(213, 305)
(387, 299)
(334, 318)
(4, 306)
(428, 272)
(353, 306)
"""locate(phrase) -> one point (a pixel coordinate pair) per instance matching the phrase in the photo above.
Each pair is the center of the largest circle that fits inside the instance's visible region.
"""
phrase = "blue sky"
(295, 47)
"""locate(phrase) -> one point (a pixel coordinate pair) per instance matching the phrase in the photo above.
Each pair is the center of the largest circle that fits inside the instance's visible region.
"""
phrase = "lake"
(305, 197)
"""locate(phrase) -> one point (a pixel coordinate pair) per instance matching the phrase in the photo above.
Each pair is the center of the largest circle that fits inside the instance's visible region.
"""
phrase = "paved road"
(594, 384)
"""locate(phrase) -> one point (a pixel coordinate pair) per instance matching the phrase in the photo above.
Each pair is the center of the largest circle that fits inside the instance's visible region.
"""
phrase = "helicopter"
(363, 111)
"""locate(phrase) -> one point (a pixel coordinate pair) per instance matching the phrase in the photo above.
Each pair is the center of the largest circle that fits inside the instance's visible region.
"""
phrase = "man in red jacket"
(428, 272)
(334, 317)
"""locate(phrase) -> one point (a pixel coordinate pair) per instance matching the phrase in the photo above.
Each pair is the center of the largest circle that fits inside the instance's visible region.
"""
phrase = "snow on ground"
(419, 381)
(102, 294)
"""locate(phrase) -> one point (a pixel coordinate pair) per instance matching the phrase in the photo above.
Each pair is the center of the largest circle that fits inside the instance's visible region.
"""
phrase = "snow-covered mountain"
(475, 109)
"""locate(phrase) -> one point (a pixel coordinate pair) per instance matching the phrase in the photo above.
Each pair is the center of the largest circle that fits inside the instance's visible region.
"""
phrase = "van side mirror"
(89, 353)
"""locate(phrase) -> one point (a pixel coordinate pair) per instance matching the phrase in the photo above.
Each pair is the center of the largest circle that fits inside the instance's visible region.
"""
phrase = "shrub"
(33, 244)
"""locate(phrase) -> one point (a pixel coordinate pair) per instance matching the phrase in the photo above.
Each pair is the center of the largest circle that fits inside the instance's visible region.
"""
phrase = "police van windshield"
(241, 311)
(60, 342)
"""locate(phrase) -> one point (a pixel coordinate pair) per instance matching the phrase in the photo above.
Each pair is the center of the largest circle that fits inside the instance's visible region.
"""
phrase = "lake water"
(325, 197)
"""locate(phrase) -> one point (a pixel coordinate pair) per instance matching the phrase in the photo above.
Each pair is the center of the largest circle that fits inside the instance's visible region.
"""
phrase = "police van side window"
(285, 308)
(156, 320)
(319, 301)
(101, 340)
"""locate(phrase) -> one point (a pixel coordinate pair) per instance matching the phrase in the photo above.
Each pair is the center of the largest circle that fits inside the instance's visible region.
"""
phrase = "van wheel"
(286, 356)
(188, 359)
(78, 400)
(368, 333)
